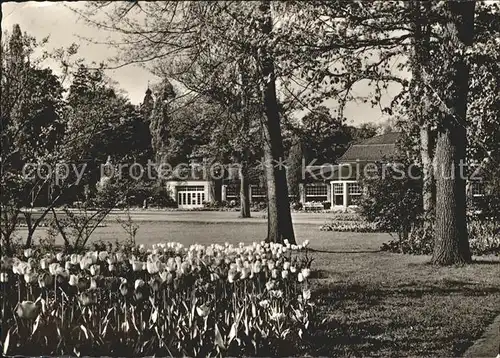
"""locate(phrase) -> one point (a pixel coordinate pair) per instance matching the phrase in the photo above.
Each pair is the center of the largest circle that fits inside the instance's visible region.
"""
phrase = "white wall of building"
(172, 187)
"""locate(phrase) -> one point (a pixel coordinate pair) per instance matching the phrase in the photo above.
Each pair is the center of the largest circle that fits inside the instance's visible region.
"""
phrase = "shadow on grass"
(345, 252)
(485, 262)
(399, 320)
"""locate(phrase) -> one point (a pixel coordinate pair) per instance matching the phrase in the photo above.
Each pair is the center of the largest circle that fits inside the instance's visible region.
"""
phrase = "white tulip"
(274, 273)
(103, 255)
(73, 280)
(95, 270)
(306, 294)
(138, 283)
(53, 268)
(264, 303)
(44, 264)
(93, 284)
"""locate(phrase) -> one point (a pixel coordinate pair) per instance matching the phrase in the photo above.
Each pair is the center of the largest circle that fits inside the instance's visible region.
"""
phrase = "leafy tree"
(31, 106)
(325, 138)
(363, 131)
(160, 121)
(99, 125)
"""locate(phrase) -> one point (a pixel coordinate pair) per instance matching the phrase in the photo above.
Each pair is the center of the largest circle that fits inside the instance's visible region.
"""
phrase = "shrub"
(258, 206)
(417, 242)
(212, 204)
(393, 202)
(484, 239)
(161, 197)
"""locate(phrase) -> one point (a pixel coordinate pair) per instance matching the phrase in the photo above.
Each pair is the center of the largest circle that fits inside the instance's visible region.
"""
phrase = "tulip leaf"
(233, 332)
(154, 316)
(218, 338)
(84, 329)
(35, 326)
(6, 343)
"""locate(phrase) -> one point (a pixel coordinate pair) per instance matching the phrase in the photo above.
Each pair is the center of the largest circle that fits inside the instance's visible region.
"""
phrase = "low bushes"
(346, 217)
(167, 300)
(484, 239)
(351, 226)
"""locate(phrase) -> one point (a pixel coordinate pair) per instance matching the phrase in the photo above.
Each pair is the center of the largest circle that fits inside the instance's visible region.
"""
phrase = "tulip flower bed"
(167, 300)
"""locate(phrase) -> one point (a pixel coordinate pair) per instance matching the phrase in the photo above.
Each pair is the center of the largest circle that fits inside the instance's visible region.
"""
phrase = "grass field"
(381, 304)
(372, 303)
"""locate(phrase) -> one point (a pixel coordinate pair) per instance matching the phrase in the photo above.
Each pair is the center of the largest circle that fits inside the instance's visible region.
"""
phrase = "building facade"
(338, 186)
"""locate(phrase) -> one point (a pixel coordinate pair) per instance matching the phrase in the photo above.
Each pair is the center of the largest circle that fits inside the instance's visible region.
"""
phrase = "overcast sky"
(54, 19)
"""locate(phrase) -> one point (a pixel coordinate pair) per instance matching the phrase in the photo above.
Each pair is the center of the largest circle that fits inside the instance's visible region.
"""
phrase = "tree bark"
(451, 243)
(428, 188)
(244, 189)
(420, 104)
(243, 170)
(294, 161)
(278, 207)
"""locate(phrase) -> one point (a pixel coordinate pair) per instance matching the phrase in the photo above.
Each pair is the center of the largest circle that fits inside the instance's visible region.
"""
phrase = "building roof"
(189, 173)
(327, 173)
(200, 172)
(388, 138)
(372, 149)
(232, 175)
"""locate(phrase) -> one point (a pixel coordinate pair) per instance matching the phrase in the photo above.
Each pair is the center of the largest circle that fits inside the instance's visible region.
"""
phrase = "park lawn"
(383, 304)
(371, 303)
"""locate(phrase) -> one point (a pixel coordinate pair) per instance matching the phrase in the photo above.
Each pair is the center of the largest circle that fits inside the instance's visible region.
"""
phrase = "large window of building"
(346, 193)
(191, 188)
(354, 190)
(316, 192)
(232, 191)
(258, 193)
(338, 194)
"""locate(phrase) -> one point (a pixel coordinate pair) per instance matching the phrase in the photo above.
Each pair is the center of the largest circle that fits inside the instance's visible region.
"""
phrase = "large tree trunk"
(243, 170)
(451, 245)
(244, 188)
(278, 207)
(294, 169)
(420, 102)
(428, 189)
